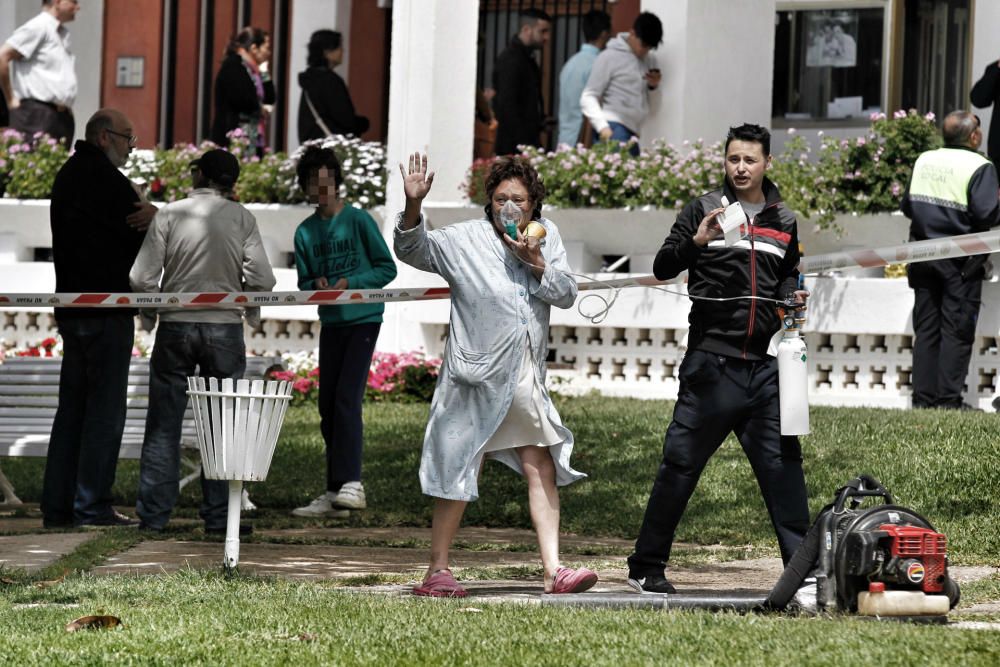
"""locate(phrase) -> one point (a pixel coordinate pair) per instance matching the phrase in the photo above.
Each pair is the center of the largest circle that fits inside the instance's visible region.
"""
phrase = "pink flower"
(899, 113)
(302, 385)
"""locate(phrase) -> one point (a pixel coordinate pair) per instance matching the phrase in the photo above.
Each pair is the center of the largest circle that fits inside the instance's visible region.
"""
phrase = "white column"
(717, 60)
(985, 50)
(307, 17)
(432, 83)
(87, 40)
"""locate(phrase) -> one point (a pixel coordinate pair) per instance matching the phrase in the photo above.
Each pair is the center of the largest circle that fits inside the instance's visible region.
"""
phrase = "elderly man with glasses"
(98, 224)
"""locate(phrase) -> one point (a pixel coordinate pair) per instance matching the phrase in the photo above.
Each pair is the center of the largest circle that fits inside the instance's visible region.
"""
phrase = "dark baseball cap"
(221, 167)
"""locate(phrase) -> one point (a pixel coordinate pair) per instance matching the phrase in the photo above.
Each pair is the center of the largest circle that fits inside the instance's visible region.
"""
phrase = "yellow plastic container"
(877, 601)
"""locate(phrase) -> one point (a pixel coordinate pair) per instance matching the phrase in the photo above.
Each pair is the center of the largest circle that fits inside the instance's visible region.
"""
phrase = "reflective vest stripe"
(942, 176)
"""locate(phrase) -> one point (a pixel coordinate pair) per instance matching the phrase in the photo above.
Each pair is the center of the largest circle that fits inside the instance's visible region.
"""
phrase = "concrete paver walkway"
(333, 554)
(34, 552)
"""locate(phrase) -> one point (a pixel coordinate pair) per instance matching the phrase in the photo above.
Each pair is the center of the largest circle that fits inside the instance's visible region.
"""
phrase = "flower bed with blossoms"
(28, 169)
(53, 347)
(867, 174)
(409, 377)
(863, 175)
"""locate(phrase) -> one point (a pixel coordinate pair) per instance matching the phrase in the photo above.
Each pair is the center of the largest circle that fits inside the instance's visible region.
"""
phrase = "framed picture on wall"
(832, 38)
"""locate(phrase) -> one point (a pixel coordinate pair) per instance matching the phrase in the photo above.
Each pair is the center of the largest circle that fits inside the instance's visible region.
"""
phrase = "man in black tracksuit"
(953, 190)
(728, 383)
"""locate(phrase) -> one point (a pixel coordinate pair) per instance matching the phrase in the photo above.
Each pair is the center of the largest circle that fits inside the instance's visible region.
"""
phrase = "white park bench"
(29, 395)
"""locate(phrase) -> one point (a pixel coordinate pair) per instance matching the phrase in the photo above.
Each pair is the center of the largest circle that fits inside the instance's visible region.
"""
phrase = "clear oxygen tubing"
(601, 314)
(608, 301)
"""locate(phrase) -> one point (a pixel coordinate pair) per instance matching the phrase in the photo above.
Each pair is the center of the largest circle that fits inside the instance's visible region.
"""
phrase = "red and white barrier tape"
(907, 253)
(918, 251)
(196, 300)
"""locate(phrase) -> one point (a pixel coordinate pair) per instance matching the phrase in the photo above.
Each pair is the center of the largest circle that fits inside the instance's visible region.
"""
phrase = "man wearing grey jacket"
(205, 243)
(616, 97)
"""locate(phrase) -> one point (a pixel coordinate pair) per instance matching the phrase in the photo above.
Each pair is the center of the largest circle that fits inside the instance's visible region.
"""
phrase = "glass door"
(936, 55)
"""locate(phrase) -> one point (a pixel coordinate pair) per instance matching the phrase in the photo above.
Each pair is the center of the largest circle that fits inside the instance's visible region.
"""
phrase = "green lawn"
(942, 464)
(945, 465)
(193, 618)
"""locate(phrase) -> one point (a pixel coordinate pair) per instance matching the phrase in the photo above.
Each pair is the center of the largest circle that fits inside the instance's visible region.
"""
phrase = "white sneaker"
(351, 496)
(322, 506)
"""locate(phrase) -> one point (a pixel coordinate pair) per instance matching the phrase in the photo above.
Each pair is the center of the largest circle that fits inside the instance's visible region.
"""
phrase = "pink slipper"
(441, 584)
(568, 580)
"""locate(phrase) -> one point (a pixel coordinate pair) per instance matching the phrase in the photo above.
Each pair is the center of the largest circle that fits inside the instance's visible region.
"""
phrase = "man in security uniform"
(953, 190)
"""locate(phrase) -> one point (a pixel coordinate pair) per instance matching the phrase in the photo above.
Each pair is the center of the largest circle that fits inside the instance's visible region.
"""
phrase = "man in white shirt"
(205, 243)
(41, 93)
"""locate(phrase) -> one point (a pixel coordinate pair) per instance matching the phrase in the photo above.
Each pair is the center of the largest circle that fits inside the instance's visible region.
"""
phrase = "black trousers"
(345, 356)
(33, 116)
(719, 395)
(87, 429)
(947, 296)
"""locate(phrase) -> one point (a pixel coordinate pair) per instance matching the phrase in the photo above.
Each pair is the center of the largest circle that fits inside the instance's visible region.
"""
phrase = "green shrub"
(27, 171)
(474, 185)
(606, 176)
(863, 175)
(30, 169)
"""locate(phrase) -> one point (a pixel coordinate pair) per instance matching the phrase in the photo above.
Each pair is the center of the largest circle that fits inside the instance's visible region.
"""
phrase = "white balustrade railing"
(858, 333)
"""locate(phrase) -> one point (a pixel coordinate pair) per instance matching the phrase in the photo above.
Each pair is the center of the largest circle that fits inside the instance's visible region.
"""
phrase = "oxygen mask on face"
(510, 218)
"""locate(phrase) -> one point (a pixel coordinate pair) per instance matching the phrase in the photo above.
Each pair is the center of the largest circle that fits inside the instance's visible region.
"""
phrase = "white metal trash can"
(237, 427)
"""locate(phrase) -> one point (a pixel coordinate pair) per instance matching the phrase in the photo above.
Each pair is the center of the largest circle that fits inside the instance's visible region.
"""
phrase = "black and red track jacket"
(763, 263)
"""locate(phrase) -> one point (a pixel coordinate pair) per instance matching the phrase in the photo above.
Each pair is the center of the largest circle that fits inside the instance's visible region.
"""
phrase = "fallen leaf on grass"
(307, 637)
(52, 582)
(5, 580)
(93, 623)
(471, 609)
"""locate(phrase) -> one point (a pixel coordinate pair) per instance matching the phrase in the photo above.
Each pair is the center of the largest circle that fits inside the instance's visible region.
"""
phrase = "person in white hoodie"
(616, 97)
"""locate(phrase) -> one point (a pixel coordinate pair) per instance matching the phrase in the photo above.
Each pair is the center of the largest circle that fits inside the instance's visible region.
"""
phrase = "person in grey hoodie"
(616, 97)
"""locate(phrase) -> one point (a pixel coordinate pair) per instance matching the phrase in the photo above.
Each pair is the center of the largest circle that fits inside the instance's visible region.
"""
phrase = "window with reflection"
(828, 64)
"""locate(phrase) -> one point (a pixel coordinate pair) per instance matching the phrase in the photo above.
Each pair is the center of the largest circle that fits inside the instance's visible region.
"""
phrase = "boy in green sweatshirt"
(340, 247)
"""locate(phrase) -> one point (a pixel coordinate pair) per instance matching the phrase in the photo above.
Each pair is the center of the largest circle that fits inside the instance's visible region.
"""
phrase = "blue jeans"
(621, 133)
(87, 430)
(216, 350)
(345, 355)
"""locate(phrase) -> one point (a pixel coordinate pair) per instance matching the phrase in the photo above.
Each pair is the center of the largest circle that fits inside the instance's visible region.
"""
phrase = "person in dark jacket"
(98, 225)
(953, 190)
(728, 382)
(983, 94)
(518, 84)
(243, 87)
(326, 107)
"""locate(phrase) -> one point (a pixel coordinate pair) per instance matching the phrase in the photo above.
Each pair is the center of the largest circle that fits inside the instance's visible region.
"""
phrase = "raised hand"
(417, 182)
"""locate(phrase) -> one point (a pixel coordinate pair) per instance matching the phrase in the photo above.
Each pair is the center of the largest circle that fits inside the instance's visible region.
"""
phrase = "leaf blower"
(881, 560)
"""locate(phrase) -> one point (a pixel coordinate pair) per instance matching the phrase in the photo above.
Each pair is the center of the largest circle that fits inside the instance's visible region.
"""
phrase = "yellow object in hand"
(535, 229)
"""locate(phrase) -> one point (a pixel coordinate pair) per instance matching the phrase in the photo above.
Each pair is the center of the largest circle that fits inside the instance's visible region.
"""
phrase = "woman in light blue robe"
(490, 398)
